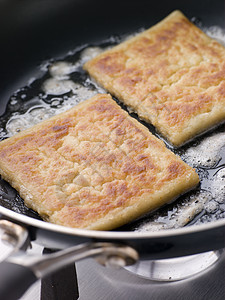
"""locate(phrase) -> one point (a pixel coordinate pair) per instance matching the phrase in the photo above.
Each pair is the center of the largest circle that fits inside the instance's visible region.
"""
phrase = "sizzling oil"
(65, 84)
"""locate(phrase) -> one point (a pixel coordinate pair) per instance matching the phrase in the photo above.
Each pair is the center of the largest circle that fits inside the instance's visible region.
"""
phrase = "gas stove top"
(96, 282)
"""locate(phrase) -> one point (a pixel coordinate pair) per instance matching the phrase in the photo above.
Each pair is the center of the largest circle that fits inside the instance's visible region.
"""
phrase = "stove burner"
(174, 269)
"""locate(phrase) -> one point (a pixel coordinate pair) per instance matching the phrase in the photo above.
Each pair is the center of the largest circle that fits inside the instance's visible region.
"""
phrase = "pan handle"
(14, 280)
(20, 270)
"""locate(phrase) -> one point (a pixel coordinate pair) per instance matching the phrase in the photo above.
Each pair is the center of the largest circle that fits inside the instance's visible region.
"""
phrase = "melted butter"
(207, 153)
(90, 52)
(216, 33)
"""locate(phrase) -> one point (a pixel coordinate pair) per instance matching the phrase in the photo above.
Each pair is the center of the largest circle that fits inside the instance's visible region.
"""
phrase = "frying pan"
(35, 31)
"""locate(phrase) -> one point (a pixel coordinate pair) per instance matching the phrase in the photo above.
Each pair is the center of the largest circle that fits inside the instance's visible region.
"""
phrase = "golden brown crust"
(93, 167)
(172, 75)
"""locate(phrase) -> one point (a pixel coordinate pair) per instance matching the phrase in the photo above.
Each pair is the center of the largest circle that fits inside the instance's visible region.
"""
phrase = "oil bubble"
(15, 125)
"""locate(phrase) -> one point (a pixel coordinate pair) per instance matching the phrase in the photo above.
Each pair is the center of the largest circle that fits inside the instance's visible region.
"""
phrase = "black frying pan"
(34, 31)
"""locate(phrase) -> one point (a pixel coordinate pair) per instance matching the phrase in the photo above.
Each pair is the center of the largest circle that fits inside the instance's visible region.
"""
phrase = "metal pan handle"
(20, 270)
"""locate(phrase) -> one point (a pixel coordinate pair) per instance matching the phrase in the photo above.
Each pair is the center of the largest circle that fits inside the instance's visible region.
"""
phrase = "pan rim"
(109, 234)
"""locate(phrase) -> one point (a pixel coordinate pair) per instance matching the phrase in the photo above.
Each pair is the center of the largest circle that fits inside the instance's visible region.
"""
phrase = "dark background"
(32, 31)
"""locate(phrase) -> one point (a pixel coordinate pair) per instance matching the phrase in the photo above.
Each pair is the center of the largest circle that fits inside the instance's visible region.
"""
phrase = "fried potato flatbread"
(172, 75)
(93, 167)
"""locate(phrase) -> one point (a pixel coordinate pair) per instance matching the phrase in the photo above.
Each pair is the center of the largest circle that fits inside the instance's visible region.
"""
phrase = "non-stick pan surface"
(33, 32)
